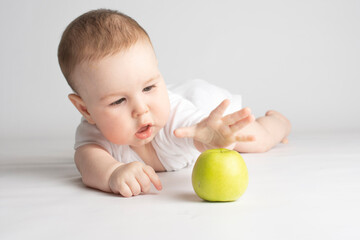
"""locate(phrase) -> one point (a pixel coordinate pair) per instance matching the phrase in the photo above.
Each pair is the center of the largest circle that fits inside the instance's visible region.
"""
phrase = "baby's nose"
(139, 109)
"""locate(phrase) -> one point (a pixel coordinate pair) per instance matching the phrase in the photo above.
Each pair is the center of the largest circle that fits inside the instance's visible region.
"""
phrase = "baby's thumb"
(185, 132)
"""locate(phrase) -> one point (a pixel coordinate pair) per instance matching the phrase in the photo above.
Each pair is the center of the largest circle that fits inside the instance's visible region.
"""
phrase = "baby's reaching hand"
(133, 178)
(217, 131)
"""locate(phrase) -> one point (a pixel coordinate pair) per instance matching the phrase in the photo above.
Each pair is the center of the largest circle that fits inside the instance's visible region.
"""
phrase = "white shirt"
(174, 153)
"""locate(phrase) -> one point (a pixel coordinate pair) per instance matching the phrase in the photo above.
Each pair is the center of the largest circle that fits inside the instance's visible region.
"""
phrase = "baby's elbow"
(77, 159)
(86, 182)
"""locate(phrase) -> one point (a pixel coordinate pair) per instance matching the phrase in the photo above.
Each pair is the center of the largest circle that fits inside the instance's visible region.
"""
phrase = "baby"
(132, 125)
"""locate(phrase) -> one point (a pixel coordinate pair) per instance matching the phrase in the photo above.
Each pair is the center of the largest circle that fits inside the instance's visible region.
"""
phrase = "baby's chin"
(134, 141)
(141, 142)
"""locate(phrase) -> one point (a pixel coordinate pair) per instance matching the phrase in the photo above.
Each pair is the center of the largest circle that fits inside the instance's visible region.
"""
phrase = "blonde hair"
(94, 35)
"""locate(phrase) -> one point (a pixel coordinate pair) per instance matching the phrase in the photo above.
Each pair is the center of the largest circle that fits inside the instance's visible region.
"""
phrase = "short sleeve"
(207, 96)
(87, 133)
(177, 153)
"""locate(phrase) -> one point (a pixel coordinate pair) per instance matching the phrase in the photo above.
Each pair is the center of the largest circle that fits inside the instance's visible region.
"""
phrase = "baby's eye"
(147, 89)
(118, 102)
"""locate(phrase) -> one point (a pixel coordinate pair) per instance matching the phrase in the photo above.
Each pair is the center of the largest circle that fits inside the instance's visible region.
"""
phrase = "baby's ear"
(80, 105)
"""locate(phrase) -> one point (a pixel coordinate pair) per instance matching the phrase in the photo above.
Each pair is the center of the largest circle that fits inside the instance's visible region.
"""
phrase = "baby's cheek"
(116, 134)
(163, 110)
(163, 116)
(119, 139)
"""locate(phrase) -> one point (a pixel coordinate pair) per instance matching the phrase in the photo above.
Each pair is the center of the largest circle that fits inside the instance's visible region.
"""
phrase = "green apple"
(220, 175)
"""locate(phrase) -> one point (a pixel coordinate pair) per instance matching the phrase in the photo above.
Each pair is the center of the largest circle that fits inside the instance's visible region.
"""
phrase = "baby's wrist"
(200, 146)
(113, 169)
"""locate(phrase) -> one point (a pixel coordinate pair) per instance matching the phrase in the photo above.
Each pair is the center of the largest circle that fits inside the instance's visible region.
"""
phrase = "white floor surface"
(307, 189)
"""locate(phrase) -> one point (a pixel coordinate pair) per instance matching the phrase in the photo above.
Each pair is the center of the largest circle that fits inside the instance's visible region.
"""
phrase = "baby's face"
(125, 95)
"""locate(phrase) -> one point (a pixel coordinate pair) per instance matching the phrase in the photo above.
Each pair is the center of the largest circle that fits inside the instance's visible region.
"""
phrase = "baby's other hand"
(133, 178)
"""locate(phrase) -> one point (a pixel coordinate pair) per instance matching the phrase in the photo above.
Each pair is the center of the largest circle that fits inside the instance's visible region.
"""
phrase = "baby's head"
(109, 62)
(93, 36)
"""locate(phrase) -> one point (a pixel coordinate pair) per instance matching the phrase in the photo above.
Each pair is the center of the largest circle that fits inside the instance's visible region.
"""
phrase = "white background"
(298, 57)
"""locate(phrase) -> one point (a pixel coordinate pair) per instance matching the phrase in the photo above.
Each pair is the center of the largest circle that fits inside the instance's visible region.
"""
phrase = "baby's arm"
(217, 131)
(237, 131)
(101, 171)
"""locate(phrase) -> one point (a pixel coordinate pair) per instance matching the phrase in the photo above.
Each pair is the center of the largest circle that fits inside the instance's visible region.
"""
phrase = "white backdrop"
(298, 57)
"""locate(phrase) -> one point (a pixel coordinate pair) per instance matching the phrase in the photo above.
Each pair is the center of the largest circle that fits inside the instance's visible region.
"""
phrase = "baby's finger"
(218, 112)
(134, 187)
(185, 132)
(154, 178)
(242, 123)
(236, 116)
(248, 138)
(125, 190)
(144, 182)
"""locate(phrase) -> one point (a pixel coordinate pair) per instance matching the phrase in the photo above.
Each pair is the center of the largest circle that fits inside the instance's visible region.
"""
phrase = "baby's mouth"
(144, 131)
